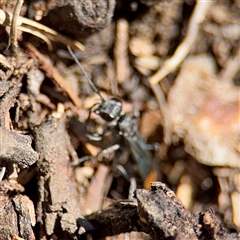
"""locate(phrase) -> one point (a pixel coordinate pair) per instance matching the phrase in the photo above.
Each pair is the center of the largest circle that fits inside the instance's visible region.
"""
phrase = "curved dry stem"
(184, 48)
(6, 19)
(163, 106)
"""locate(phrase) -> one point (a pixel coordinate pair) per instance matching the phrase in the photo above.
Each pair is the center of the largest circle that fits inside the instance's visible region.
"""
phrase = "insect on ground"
(125, 123)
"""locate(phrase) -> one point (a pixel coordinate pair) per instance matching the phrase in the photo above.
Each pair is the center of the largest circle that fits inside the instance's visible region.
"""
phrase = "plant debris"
(73, 153)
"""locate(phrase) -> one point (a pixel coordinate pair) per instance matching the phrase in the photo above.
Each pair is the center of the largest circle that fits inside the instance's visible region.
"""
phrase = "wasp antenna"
(95, 89)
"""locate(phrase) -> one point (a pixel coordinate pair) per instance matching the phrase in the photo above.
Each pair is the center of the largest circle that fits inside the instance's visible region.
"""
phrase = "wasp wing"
(140, 154)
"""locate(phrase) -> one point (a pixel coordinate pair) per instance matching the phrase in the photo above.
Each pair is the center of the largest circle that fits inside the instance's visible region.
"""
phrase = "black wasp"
(111, 111)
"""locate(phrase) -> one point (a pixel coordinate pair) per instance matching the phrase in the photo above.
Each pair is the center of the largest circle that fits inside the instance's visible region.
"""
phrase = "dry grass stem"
(6, 18)
(13, 31)
(55, 75)
(121, 51)
(184, 48)
(163, 106)
(232, 67)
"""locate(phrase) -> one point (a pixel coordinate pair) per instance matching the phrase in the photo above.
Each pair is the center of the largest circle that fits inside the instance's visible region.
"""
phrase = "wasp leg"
(78, 161)
(152, 147)
(95, 137)
(106, 152)
(103, 154)
(123, 171)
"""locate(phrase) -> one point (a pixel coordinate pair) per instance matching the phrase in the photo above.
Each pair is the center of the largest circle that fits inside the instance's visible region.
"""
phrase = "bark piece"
(164, 214)
(119, 218)
(16, 216)
(82, 16)
(9, 222)
(160, 214)
(26, 217)
(16, 148)
(4, 87)
(8, 94)
(58, 206)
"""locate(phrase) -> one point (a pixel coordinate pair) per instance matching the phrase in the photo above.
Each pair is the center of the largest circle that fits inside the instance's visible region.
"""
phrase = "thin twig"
(232, 67)
(184, 48)
(39, 35)
(121, 51)
(55, 75)
(50, 33)
(162, 103)
(5, 63)
(13, 31)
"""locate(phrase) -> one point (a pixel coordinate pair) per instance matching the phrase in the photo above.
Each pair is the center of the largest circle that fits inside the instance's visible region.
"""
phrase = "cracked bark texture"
(58, 206)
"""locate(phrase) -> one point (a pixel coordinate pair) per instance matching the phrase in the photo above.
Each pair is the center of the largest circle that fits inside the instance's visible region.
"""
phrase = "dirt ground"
(148, 148)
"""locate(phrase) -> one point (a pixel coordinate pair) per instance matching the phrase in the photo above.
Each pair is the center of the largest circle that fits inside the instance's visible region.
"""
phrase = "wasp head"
(109, 110)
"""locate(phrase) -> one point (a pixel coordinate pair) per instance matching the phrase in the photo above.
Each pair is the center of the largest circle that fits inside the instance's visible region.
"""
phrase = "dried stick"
(55, 75)
(13, 31)
(37, 34)
(163, 106)
(184, 48)
(5, 19)
(160, 214)
(121, 51)
(232, 67)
